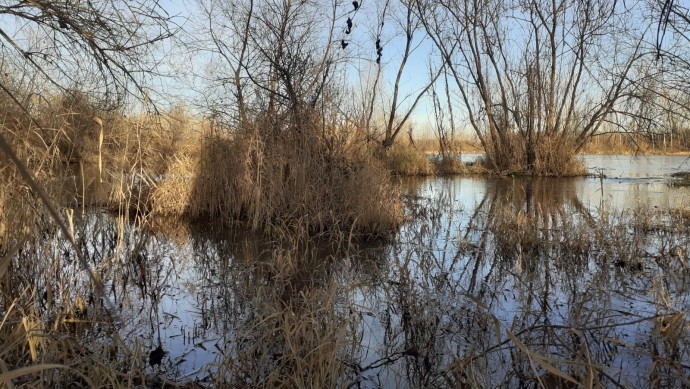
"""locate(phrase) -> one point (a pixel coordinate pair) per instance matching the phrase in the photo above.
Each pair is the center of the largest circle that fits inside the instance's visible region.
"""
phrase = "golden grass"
(406, 160)
(292, 180)
(449, 165)
(287, 175)
(613, 143)
(552, 157)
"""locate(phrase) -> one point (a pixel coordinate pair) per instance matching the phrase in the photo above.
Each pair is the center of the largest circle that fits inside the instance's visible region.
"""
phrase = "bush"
(405, 160)
(448, 165)
(293, 179)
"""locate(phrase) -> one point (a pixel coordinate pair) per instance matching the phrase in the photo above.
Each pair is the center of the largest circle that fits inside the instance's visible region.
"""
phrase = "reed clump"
(449, 165)
(549, 157)
(298, 173)
(292, 178)
(84, 154)
(404, 159)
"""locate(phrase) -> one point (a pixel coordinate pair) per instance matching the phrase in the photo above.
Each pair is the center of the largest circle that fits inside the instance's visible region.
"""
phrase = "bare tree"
(444, 129)
(279, 54)
(536, 78)
(398, 114)
(673, 16)
(666, 98)
(103, 47)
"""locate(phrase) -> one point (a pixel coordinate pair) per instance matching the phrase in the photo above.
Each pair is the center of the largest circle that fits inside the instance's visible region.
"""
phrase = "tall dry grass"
(549, 157)
(294, 179)
(462, 144)
(629, 143)
(404, 159)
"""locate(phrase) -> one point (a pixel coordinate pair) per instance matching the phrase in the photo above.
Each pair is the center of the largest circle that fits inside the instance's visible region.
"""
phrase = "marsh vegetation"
(489, 282)
(276, 218)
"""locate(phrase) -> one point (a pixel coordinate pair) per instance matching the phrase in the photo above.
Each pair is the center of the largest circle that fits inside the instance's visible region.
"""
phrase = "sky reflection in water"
(425, 303)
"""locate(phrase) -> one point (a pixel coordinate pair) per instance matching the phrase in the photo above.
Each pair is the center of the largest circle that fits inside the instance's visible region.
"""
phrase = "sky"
(183, 63)
(360, 54)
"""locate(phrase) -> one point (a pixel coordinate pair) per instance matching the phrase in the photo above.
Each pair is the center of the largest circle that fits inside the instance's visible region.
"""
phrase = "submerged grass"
(297, 334)
(561, 295)
(681, 179)
(294, 312)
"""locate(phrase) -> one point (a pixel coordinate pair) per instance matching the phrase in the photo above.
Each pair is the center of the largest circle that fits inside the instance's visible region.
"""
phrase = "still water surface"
(481, 259)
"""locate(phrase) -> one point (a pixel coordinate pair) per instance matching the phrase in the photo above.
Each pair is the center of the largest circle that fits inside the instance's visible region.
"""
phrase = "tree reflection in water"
(525, 286)
(581, 293)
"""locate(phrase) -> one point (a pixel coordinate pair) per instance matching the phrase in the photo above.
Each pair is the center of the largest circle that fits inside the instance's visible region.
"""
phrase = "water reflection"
(492, 282)
(527, 279)
(626, 182)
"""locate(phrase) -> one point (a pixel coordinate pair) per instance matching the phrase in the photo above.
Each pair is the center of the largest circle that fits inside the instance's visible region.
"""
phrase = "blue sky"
(360, 53)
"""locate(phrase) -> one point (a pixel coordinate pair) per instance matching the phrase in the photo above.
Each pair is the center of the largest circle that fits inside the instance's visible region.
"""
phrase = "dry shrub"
(552, 157)
(75, 123)
(171, 196)
(84, 154)
(374, 207)
(509, 158)
(296, 179)
(14, 222)
(295, 174)
(465, 143)
(406, 160)
(557, 158)
(448, 165)
(21, 217)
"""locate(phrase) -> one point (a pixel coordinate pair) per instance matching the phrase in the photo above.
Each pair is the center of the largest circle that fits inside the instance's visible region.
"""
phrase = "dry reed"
(406, 160)
(294, 180)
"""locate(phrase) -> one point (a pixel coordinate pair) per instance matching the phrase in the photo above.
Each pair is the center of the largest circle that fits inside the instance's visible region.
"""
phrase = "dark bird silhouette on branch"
(356, 5)
(349, 26)
(343, 44)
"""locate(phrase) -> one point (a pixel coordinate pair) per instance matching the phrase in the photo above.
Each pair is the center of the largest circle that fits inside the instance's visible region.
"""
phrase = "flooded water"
(626, 182)
(491, 282)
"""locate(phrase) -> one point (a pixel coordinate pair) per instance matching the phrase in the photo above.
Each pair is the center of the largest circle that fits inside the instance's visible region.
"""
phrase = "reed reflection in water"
(512, 283)
(531, 280)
